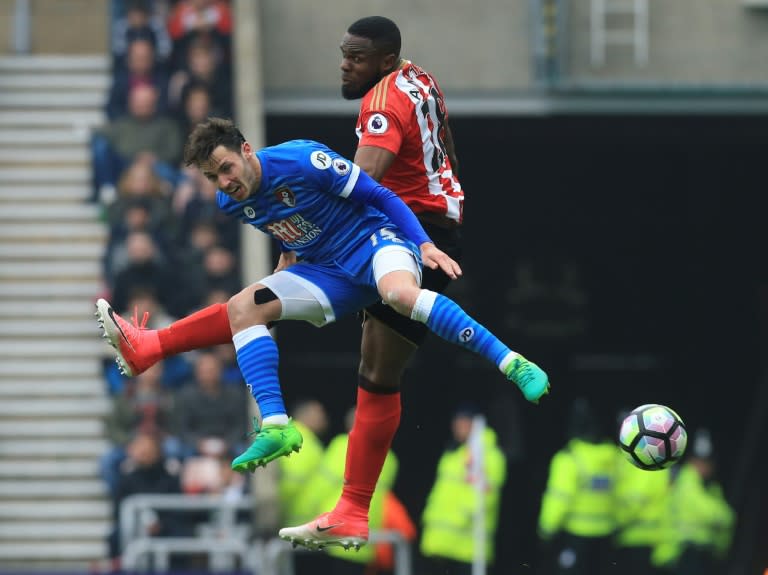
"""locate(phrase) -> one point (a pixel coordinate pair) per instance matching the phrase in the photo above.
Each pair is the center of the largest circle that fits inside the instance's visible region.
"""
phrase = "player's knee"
(244, 310)
(401, 299)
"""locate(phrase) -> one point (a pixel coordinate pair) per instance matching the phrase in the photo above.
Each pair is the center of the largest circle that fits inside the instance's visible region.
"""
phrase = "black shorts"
(449, 241)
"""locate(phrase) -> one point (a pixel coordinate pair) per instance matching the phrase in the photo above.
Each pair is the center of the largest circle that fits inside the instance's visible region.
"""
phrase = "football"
(653, 437)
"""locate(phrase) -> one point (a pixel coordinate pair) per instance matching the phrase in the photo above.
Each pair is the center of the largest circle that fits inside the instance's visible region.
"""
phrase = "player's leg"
(389, 340)
(139, 348)
(280, 296)
(445, 318)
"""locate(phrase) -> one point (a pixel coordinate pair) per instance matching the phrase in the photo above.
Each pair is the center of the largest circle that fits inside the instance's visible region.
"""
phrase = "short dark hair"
(383, 33)
(209, 135)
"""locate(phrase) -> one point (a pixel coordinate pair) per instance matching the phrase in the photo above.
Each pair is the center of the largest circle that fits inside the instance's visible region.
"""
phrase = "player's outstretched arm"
(434, 258)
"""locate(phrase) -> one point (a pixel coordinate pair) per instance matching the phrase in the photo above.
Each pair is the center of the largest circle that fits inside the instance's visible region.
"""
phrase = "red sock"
(377, 417)
(204, 328)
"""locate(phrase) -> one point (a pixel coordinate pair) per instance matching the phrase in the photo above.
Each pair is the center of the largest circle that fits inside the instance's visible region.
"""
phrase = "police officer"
(577, 518)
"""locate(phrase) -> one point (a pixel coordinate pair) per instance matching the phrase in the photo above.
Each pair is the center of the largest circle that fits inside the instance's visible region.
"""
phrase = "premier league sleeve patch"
(377, 124)
(340, 166)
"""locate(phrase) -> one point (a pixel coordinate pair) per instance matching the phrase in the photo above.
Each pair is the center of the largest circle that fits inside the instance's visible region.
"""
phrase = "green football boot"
(272, 441)
(529, 377)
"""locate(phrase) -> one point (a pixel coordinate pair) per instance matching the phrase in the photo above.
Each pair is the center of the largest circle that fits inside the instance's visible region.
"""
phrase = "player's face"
(232, 172)
(361, 66)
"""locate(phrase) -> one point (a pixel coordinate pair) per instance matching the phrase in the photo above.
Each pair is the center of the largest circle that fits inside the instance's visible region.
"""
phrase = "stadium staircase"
(54, 514)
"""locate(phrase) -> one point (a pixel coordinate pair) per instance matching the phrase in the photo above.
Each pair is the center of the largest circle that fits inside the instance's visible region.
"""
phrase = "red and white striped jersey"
(405, 113)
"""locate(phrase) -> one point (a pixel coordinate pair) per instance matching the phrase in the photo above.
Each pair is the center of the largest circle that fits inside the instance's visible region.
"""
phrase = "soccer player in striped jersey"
(405, 143)
(356, 242)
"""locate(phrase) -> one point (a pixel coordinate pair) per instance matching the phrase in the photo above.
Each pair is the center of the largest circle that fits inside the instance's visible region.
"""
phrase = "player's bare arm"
(374, 161)
(434, 258)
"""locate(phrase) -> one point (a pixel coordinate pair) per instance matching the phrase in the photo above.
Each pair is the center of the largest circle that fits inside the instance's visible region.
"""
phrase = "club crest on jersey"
(377, 124)
(285, 196)
(249, 212)
(340, 166)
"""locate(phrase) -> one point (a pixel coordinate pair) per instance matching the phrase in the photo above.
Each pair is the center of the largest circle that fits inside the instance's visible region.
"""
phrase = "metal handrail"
(133, 505)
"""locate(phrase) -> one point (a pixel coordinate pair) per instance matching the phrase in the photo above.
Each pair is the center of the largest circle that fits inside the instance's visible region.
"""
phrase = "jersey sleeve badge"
(377, 124)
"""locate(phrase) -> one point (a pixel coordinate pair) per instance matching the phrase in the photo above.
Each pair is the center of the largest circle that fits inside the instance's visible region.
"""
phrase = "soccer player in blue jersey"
(356, 243)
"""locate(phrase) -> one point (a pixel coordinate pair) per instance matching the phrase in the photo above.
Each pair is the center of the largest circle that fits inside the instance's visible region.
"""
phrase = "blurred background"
(612, 158)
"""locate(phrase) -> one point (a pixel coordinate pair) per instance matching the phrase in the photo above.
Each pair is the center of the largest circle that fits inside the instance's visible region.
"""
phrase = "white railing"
(225, 541)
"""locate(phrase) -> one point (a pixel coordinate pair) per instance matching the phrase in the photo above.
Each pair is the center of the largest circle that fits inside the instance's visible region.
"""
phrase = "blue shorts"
(345, 285)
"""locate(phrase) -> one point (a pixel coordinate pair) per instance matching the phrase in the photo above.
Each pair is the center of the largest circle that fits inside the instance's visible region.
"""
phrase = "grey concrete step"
(53, 290)
(52, 427)
(64, 368)
(58, 82)
(53, 99)
(37, 448)
(65, 231)
(67, 308)
(98, 63)
(58, 468)
(59, 251)
(84, 347)
(49, 118)
(71, 270)
(77, 154)
(64, 328)
(44, 136)
(83, 327)
(50, 192)
(60, 211)
(53, 550)
(80, 175)
(52, 489)
(42, 530)
(36, 509)
(52, 387)
(84, 406)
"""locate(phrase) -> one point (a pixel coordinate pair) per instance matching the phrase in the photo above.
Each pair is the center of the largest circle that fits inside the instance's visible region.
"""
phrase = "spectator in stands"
(196, 105)
(147, 471)
(201, 67)
(194, 20)
(210, 415)
(145, 269)
(139, 21)
(142, 132)
(230, 371)
(143, 406)
(141, 67)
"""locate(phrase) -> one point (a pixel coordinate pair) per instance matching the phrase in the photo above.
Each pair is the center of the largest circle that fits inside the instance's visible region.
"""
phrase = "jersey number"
(386, 235)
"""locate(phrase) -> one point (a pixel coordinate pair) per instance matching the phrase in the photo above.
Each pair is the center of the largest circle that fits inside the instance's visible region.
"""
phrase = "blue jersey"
(318, 204)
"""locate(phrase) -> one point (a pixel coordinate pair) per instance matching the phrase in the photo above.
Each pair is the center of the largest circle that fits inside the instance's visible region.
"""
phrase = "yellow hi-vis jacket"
(325, 486)
(641, 504)
(295, 473)
(448, 518)
(579, 497)
(697, 514)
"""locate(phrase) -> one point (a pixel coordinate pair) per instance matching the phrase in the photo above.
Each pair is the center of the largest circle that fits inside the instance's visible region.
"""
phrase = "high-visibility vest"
(448, 518)
(697, 514)
(641, 504)
(295, 472)
(579, 497)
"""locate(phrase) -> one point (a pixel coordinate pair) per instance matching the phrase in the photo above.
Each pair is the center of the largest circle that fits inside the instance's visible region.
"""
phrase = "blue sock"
(257, 357)
(445, 318)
